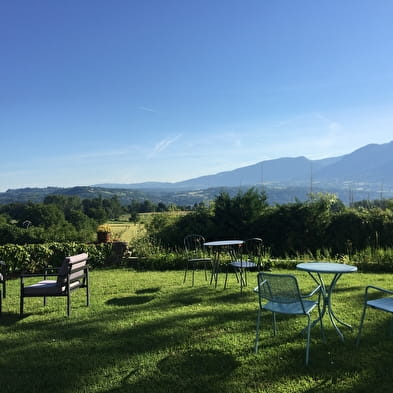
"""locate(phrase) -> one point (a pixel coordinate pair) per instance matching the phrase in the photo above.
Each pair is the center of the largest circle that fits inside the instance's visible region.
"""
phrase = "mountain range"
(366, 173)
(368, 167)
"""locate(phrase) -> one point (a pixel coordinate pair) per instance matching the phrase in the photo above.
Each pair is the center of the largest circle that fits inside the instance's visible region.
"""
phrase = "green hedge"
(35, 257)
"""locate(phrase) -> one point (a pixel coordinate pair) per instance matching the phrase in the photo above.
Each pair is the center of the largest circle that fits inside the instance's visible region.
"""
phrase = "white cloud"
(164, 144)
(146, 109)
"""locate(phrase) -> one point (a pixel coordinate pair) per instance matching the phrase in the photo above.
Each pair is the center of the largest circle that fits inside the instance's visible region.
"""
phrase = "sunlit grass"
(127, 231)
(147, 332)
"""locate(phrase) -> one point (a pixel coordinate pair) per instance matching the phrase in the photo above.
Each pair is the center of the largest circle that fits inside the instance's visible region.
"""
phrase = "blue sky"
(127, 91)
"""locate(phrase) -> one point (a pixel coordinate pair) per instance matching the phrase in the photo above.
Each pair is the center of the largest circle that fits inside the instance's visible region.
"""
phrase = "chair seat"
(199, 260)
(47, 287)
(385, 304)
(243, 264)
(294, 308)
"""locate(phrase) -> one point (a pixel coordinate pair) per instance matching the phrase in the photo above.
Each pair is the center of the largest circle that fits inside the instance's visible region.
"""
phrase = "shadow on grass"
(9, 319)
(147, 290)
(237, 297)
(345, 289)
(129, 300)
(209, 364)
(162, 352)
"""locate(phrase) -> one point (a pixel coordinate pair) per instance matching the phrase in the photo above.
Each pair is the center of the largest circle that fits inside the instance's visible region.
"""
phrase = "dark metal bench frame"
(73, 274)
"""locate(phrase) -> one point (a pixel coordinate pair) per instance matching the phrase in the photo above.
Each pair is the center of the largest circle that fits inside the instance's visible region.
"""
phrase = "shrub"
(35, 257)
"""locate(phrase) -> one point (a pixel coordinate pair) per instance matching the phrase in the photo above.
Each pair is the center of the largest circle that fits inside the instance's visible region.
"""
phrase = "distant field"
(127, 231)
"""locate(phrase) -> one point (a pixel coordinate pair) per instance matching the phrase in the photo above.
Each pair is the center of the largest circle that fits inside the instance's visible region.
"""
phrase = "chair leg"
(226, 278)
(308, 339)
(237, 275)
(185, 273)
(391, 327)
(87, 289)
(68, 304)
(21, 305)
(257, 331)
(274, 323)
(361, 325)
(321, 322)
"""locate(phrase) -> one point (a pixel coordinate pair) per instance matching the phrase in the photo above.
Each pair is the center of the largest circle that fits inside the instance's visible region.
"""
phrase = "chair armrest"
(27, 275)
(313, 292)
(373, 287)
(256, 289)
(48, 269)
(38, 275)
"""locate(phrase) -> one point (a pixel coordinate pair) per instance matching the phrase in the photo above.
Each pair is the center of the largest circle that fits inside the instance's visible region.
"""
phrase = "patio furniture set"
(280, 293)
(277, 293)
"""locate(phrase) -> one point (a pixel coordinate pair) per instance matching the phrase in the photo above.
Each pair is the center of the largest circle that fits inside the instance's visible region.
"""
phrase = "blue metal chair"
(383, 303)
(249, 258)
(196, 255)
(279, 293)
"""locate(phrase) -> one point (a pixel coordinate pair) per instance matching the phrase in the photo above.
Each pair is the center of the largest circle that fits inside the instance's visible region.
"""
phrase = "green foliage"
(35, 257)
(373, 259)
(234, 217)
(148, 206)
(166, 225)
(59, 219)
(320, 223)
(301, 228)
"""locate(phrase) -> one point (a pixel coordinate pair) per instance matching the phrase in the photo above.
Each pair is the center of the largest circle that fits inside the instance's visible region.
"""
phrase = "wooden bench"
(71, 275)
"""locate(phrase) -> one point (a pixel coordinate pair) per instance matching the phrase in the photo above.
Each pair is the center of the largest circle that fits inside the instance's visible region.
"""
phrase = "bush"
(34, 258)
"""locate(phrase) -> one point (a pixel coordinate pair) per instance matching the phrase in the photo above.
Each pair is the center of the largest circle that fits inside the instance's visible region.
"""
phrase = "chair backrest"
(194, 242)
(279, 288)
(193, 245)
(252, 249)
(72, 268)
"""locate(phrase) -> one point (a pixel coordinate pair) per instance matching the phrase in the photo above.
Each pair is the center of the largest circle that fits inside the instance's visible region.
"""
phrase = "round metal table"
(316, 270)
(218, 247)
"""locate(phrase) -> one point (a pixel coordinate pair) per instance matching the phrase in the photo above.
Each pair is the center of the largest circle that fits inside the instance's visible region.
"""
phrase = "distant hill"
(275, 194)
(370, 164)
(369, 167)
(366, 173)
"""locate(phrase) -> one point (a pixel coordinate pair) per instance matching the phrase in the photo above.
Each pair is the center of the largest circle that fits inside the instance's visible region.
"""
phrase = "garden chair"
(249, 258)
(71, 275)
(195, 254)
(384, 303)
(279, 293)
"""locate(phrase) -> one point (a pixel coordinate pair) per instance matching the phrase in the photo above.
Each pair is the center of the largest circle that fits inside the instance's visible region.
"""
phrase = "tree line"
(320, 224)
(61, 218)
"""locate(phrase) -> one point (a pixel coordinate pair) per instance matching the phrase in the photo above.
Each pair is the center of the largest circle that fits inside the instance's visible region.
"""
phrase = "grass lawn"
(146, 332)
